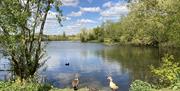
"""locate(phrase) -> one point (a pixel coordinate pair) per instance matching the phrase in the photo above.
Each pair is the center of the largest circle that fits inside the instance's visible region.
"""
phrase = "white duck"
(112, 85)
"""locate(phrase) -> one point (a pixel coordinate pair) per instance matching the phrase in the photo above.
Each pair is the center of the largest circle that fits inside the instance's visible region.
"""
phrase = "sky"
(78, 14)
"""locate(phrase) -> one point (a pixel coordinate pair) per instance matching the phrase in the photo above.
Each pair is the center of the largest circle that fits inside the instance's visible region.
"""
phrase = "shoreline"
(161, 46)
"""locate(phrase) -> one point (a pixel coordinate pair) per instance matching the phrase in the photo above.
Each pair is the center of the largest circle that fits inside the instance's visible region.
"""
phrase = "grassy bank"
(31, 86)
(139, 85)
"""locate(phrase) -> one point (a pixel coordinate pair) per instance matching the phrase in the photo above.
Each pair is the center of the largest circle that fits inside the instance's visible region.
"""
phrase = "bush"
(23, 86)
(167, 73)
(31, 86)
(175, 86)
(167, 77)
(139, 85)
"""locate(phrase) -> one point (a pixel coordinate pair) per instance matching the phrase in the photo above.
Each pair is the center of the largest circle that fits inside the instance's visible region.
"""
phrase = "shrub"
(167, 73)
(23, 86)
(175, 86)
(139, 85)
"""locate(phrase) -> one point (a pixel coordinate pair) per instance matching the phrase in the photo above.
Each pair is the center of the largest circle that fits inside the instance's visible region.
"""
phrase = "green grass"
(31, 86)
(68, 89)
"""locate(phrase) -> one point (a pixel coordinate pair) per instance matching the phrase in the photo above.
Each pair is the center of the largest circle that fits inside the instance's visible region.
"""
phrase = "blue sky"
(80, 14)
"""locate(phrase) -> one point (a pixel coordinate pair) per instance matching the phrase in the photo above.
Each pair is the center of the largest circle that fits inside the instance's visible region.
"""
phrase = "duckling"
(112, 85)
(75, 82)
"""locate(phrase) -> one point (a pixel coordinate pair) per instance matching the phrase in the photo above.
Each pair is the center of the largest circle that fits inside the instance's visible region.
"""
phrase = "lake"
(94, 61)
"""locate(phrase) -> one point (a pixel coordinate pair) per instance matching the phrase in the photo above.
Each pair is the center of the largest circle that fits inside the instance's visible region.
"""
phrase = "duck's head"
(76, 79)
(76, 76)
(109, 78)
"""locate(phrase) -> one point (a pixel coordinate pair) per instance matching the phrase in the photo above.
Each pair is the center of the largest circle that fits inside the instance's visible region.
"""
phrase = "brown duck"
(75, 82)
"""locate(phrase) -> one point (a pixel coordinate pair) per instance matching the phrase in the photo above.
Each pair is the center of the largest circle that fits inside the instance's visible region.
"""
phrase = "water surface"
(94, 61)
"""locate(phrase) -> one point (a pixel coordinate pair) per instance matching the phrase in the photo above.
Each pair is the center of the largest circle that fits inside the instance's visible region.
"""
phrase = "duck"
(75, 82)
(67, 64)
(112, 85)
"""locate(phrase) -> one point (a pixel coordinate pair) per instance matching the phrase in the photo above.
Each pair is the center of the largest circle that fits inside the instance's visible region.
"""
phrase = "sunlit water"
(93, 62)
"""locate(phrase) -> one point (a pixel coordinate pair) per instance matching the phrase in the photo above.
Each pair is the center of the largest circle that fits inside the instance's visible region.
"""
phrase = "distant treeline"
(51, 37)
(60, 38)
(149, 23)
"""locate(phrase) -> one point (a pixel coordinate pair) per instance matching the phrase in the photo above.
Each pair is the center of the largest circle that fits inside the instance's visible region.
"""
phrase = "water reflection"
(83, 59)
(95, 61)
(4, 66)
(135, 59)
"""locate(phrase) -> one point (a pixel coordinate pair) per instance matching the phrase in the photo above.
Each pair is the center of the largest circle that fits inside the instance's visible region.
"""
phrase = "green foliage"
(96, 34)
(139, 85)
(167, 73)
(18, 25)
(64, 35)
(84, 35)
(31, 86)
(55, 38)
(68, 89)
(149, 23)
(23, 86)
(175, 86)
(167, 77)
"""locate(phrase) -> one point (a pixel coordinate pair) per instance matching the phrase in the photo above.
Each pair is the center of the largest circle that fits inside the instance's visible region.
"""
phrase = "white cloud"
(52, 14)
(104, 19)
(85, 9)
(66, 18)
(75, 14)
(72, 29)
(73, 26)
(51, 26)
(85, 21)
(77, 25)
(108, 4)
(117, 9)
(90, 9)
(70, 2)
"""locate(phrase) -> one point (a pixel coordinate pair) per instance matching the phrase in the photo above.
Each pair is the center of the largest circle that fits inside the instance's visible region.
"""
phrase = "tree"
(84, 35)
(21, 37)
(160, 20)
(148, 23)
(64, 35)
(98, 34)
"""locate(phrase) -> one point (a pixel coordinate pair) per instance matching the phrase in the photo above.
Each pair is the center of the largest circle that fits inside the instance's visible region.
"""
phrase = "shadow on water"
(135, 59)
